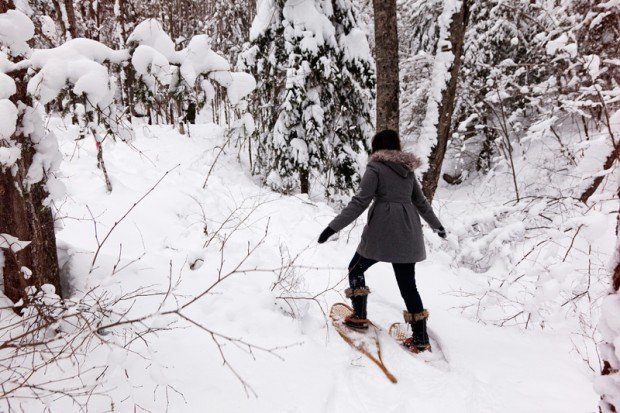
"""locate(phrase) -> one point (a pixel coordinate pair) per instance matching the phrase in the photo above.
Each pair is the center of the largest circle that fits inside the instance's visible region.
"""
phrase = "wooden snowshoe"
(401, 332)
(365, 341)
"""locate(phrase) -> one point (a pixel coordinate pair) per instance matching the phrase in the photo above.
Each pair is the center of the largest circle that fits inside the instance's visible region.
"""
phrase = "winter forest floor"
(491, 369)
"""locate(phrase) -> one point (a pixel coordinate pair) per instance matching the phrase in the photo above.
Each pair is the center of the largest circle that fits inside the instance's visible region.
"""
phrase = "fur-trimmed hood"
(406, 159)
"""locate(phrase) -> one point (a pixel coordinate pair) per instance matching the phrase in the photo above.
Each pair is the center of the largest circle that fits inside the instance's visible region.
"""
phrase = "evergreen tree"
(312, 104)
(353, 95)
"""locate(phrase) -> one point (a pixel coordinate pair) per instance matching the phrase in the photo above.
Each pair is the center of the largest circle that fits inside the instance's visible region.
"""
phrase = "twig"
(100, 244)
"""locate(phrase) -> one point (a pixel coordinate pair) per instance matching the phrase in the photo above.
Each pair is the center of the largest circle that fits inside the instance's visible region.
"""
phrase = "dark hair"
(386, 139)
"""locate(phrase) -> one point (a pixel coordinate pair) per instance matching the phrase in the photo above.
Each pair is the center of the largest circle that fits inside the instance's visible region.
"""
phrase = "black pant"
(405, 277)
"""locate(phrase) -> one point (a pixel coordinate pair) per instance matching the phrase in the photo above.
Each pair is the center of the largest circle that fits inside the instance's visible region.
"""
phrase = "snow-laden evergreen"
(314, 60)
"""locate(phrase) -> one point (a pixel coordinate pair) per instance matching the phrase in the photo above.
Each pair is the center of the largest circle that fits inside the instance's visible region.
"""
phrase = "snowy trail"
(491, 369)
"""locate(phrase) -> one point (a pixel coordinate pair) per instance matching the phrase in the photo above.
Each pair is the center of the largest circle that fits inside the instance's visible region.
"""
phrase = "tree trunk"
(609, 162)
(23, 215)
(252, 10)
(72, 29)
(446, 108)
(60, 21)
(386, 56)
(304, 179)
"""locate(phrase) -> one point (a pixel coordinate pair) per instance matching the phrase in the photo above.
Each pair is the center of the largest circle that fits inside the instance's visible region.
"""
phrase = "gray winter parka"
(393, 232)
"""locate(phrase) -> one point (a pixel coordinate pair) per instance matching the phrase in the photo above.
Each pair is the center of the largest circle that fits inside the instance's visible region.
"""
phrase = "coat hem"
(391, 260)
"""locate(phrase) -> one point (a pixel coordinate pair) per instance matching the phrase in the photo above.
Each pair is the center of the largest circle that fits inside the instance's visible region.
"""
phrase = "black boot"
(359, 299)
(419, 341)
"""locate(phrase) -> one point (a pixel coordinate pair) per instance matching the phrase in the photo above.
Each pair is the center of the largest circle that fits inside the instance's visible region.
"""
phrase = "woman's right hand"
(441, 231)
(327, 232)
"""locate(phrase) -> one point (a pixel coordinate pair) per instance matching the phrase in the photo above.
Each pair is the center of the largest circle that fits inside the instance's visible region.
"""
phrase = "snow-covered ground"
(491, 369)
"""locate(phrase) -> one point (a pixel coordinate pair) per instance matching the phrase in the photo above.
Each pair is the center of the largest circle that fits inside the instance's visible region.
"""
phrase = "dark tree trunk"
(71, 18)
(304, 179)
(446, 108)
(23, 215)
(386, 57)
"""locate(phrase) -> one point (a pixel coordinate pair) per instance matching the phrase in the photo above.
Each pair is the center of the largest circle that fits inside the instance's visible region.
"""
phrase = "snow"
(48, 26)
(150, 33)
(7, 86)
(239, 86)
(8, 241)
(76, 50)
(78, 63)
(87, 77)
(155, 56)
(5, 64)
(355, 45)
(264, 17)
(8, 114)
(471, 281)
(151, 65)
(609, 385)
(15, 31)
(157, 48)
(8, 124)
(610, 4)
(198, 58)
(556, 44)
(309, 20)
(593, 64)
(8, 156)
(46, 159)
(490, 368)
(592, 225)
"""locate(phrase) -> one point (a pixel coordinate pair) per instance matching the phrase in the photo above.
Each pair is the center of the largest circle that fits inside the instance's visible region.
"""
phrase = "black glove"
(327, 232)
(441, 231)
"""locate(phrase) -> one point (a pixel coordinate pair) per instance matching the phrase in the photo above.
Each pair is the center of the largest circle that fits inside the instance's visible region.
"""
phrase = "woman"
(393, 232)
